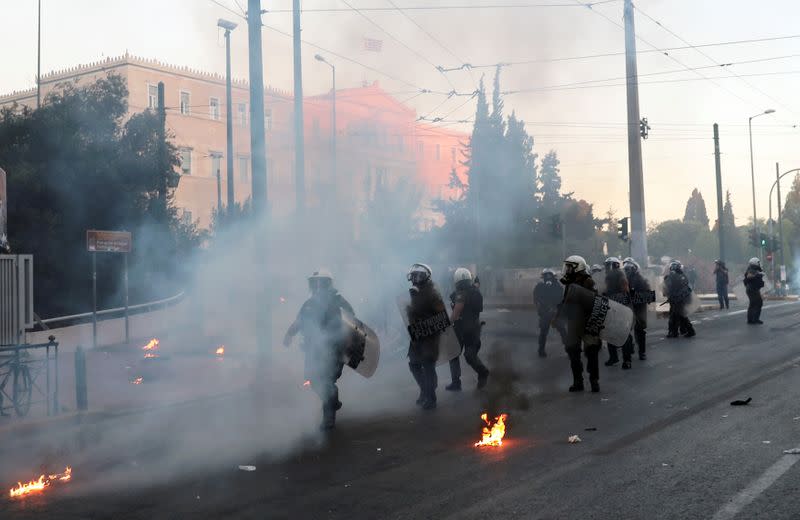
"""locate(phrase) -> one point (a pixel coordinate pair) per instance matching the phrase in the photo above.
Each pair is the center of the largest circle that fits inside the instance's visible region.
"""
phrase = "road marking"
(754, 490)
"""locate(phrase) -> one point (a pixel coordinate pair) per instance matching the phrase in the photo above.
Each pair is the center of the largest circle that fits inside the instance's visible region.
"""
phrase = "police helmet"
(320, 279)
(755, 262)
(596, 268)
(548, 273)
(612, 262)
(675, 266)
(574, 264)
(629, 264)
(462, 274)
(419, 274)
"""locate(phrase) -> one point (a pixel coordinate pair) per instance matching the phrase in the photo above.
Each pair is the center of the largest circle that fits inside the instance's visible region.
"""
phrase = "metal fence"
(16, 297)
(28, 377)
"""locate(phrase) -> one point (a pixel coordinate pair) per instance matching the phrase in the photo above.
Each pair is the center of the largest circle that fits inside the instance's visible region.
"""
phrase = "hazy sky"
(584, 123)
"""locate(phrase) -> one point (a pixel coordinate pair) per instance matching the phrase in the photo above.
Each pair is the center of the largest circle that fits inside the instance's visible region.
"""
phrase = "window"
(438, 152)
(184, 103)
(152, 96)
(268, 119)
(242, 114)
(186, 161)
(244, 164)
(186, 217)
(216, 164)
(213, 108)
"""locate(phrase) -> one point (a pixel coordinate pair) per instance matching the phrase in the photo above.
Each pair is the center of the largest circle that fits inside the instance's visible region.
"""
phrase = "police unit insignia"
(598, 316)
(643, 297)
(429, 326)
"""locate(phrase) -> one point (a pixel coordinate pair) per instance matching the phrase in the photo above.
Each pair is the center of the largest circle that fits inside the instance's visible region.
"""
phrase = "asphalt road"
(667, 442)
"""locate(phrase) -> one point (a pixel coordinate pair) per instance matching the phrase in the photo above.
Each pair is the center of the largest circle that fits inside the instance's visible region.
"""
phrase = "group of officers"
(319, 322)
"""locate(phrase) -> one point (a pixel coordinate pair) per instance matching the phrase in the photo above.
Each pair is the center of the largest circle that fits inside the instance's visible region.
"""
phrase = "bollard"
(80, 379)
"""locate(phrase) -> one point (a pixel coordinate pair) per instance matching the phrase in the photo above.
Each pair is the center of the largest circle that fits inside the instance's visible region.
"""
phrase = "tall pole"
(636, 181)
(39, 59)
(333, 133)
(258, 158)
(229, 119)
(753, 177)
(720, 216)
(780, 218)
(299, 137)
(162, 145)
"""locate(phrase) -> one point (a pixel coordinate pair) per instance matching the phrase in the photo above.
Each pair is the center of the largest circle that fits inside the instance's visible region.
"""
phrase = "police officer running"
(576, 271)
(678, 293)
(467, 304)
(546, 296)
(640, 295)
(423, 351)
(320, 323)
(617, 289)
(753, 282)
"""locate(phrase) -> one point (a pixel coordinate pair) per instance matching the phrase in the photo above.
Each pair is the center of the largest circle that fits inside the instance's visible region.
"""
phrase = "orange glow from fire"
(493, 433)
(306, 384)
(220, 350)
(151, 345)
(38, 485)
(137, 381)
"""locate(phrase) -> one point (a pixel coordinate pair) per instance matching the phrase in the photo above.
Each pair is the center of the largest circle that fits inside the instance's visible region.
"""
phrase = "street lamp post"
(333, 119)
(752, 168)
(228, 26)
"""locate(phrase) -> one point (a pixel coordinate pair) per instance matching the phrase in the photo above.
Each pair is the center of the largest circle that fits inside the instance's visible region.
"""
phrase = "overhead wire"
(440, 7)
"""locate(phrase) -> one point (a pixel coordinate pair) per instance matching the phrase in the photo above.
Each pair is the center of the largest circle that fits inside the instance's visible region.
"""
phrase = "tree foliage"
(696, 209)
(75, 164)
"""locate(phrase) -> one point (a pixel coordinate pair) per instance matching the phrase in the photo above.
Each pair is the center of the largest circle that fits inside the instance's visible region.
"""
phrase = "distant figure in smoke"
(678, 293)
(547, 294)
(617, 289)
(639, 286)
(320, 323)
(467, 303)
(753, 282)
(722, 279)
(576, 271)
(428, 307)
(5, 248)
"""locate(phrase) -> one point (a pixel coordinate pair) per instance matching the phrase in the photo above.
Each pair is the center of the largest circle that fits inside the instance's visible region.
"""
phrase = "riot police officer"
(546, 296)
(423, 351)
(678, 293)
(640, 296)
(616, 288)
(320, 323)
(753, 282)
(576, 271)
(467, 303)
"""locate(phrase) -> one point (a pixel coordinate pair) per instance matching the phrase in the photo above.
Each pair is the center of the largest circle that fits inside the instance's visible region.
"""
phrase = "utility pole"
(780, 221)
(299, 138)
(162, 156)
(39, 59)
(720, 219)
(638, 222)
(333, 138)
(228, 26)
(258, 159)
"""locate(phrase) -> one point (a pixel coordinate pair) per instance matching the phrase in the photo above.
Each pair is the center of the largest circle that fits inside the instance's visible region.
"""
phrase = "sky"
(582, 119)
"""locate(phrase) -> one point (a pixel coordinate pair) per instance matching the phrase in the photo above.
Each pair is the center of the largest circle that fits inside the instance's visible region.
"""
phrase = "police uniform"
(574, 337)
(753, 282)
(547, 295)
(639, 286)
(320, 323)
(617, 289)
(678, 293)
(721, 279)
(468, 331)
(426, 302)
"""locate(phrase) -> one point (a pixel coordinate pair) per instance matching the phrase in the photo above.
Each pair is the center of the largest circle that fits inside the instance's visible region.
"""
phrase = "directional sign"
(108, 241)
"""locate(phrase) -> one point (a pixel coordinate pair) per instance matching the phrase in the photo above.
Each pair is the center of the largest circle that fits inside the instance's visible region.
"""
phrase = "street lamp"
(752, 169)
(228, 26)
(333, 116)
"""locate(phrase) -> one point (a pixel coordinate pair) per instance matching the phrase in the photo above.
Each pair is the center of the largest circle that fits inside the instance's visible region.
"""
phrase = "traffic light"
(622, 229)
(644, 128)
(763, 240)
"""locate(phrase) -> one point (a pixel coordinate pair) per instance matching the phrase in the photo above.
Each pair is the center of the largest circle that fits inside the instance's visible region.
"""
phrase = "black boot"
(542, 353)
(483, 377)
(577, 386)
(595, 385)
(626, 365)
(455, 386)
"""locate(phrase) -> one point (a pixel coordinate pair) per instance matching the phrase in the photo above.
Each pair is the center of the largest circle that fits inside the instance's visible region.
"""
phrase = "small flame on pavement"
(307, 384)
(35, 486)
(136, 381)
(493, 433)
(220, 350)
(150, 349)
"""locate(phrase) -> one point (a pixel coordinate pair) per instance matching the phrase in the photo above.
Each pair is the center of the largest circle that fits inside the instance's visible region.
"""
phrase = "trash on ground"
(793, 451)
(739, 402)
(724, 416)
(766, 442)
(378, 449)
(247, 468)
(592, 429)
(574, 439)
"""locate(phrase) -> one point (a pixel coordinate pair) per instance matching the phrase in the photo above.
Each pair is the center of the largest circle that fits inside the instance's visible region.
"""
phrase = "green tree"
(696, 209)
(76, 164)
(550, 182)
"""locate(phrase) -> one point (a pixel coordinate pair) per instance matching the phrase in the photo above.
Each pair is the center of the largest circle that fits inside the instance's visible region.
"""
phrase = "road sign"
(108, 241)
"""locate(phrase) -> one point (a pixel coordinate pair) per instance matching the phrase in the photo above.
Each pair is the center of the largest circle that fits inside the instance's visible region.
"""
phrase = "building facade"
(378, 139)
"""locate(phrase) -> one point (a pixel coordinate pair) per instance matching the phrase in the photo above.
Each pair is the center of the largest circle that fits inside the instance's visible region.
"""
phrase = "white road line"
(754, 490)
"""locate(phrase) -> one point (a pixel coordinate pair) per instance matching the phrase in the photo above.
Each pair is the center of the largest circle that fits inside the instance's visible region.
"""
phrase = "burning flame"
(283, 300)
(150, 349)
(307, 384)
(137, 381)
(220, 350)
(493, 433)
(35, 486)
